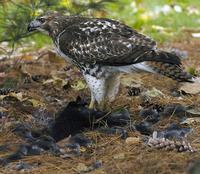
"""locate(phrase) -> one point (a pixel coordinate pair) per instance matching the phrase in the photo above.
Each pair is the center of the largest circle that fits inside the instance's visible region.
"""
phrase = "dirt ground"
(48, 83)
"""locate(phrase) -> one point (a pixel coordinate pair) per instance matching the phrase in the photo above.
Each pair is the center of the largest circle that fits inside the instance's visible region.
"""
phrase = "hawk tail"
(160, 56)
(172, 71)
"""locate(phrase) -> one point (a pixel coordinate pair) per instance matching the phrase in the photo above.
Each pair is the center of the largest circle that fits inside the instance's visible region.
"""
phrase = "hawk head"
(51, 23)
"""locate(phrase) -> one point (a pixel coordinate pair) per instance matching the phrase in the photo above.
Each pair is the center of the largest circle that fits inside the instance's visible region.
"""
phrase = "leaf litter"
(39, 88)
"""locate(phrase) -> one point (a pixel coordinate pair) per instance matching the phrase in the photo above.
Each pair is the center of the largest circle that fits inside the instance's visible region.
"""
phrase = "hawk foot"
(92, 104)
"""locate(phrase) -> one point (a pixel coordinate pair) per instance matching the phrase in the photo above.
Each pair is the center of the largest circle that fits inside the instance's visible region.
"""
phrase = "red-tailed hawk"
(103, 48)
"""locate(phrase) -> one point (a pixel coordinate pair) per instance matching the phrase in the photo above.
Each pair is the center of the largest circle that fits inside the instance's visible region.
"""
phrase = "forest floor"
(40, 82)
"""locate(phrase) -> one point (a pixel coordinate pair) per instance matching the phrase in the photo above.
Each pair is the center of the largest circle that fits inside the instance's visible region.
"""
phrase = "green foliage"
(152, 18)
(83, 7)
(12, 19)
(15, 16)
(149, 16)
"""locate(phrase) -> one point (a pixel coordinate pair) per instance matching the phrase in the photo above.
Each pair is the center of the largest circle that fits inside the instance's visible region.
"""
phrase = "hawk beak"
(33, 25)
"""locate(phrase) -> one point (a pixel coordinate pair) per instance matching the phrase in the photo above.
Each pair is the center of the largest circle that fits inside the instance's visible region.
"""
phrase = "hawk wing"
(106, 42)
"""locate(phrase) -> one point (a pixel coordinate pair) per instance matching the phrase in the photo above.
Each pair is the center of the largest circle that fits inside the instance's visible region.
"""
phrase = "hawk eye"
(42, 20)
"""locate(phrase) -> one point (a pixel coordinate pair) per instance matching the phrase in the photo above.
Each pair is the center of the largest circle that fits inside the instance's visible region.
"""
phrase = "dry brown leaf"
(191, 120)
(36, 103)
(194, 111)
(56, 81)
(26, 57)
(119, 156)
(79, 85)
(191, 88)
(81, 167)
(154, 93)
(18, 95)
(132, 140)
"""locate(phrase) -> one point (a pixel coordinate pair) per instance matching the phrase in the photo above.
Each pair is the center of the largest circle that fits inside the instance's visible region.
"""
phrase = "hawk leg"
(92, 102)
(113, 83)
(97, 87)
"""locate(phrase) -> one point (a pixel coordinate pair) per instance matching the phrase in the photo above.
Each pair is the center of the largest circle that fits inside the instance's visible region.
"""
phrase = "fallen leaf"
(82, 167)
(36, 103)
(154, 93)
(119, 156)
(82, 149)
(194, 111)
(57, 82)
(191, 88)
(18, 95)
(191, 120)
(79, 85)
(132, 140)
(26, 57)
(48, 81)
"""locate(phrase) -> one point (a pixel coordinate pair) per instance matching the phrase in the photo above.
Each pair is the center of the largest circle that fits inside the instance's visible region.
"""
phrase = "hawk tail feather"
(172, 71)
(160, 56)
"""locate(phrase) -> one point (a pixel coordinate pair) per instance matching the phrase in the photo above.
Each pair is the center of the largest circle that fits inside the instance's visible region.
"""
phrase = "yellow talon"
(92, 104)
